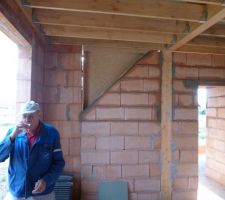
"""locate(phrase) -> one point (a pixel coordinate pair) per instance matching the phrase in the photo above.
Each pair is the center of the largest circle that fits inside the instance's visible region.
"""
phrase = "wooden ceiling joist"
(105, 43)
(208, 41)
(203, 27)
(201, 49)
(141, 8)
(212, 2)
(82, 19)
(108, 34)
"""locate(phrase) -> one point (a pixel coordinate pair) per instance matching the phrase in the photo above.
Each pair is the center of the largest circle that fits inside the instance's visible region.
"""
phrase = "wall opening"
(209, 145)
(15, 83)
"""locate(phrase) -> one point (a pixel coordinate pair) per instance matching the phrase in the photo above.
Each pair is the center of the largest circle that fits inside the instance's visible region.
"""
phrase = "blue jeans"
(50, 196)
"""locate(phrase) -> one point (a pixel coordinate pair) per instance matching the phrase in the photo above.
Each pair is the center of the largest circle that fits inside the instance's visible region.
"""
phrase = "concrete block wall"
(120, 134)
(185, 124)
(62, 102)
(215, 163)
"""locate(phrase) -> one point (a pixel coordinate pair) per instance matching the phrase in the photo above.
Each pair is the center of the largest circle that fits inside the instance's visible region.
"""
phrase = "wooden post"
(166, 124)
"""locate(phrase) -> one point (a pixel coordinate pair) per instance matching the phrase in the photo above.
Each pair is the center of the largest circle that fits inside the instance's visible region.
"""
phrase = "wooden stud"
(166, 124)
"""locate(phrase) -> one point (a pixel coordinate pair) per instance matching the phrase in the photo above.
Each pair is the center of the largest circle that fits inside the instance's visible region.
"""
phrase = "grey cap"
(30, 107)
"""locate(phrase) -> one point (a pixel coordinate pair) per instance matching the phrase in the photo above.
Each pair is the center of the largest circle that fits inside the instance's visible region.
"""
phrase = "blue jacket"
(44, 160)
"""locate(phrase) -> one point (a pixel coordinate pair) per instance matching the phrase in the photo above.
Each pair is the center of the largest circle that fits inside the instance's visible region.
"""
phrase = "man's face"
(32, 119)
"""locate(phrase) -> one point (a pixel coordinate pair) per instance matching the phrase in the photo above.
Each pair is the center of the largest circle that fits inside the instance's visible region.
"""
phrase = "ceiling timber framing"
(176, 25)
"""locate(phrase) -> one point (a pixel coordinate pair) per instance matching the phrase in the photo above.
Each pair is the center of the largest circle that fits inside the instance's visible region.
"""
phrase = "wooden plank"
(141, 8)
(68, 18)
(218, 30)
(107, 34)
(143, 46)
(207, 41)
(197, 31)
(166, 125)
(201, 49)
(212, 2)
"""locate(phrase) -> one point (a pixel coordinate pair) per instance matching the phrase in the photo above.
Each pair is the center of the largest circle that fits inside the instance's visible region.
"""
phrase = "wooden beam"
(141, 8)
(166, 126)
(207, 41)
(212, 2)
(197, 31)
(218, 30)
(108, 34)
(67, 18)
(201, 49)
(105, 43)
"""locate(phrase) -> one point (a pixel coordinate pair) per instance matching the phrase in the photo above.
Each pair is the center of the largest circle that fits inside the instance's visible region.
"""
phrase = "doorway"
(210, 143)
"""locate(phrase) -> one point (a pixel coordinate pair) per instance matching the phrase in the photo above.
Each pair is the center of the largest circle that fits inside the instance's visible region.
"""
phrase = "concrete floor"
(207, 188)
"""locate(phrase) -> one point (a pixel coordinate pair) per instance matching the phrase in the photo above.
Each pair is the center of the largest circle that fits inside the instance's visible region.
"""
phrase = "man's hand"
(40, 186)
(17, 129)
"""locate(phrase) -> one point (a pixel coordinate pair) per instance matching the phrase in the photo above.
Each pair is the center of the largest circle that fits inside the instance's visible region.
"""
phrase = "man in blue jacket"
(36, 158)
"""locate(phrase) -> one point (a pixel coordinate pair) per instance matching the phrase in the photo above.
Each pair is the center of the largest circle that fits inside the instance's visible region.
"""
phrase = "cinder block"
(139, 71)
(137, 142)
(207, 73)
(124, 157)
(124, 128)
(135, 99)
(115, 87)
(69, 60)
(184, 127)
(193, 183)
(95, 128)
(109, 113)
(186, 143)
(69, 129)
(89, 114)
(155, 170)
(180, 58)
(134, 85)
(187, 195)
(149, 128)
(73, 111)
(154, 72)
(152, 58)
(187, 169)
(147, 185)
(221, 112)
(181, 183)
(65, 146)
(149, 157)
(73, 78)
(55, 112)
(89, 197)
(51, 94)
(135, 170)
(148, 195)
(86, 171)
(74, 146)
(186, 72)
(178, 86)
(51, 60)
(110, 143)
(189, 156)
(88, 143)
(186, 100)
(211, 112)
(199, 59)
(107, 171)
(55, 78)
(70, 95)
(139, 113)
(110, 99)
(154, 99)
(94, 157)
(185, 114)
(151, 85)
(218, 61)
